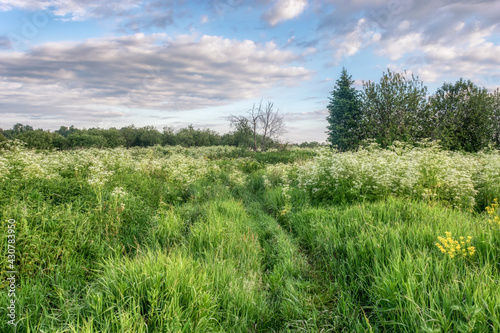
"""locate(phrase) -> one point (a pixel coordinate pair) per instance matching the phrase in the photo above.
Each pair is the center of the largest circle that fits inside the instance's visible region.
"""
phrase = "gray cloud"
(5, 43)
(433, 18)
(434, 39)
(139, 15)
(308, 115)
(469, 53)
(74, 9)
(126, 14)
(141, 72)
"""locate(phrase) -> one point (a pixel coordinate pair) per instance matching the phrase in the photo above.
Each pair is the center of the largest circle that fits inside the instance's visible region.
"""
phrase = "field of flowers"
(216, 239)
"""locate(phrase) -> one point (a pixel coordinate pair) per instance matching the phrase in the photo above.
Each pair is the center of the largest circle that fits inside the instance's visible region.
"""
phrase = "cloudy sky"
(96, 63)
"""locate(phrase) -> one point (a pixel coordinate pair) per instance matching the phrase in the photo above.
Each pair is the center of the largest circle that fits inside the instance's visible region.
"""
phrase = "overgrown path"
(304, 293)
(297, 295)
(157, 240)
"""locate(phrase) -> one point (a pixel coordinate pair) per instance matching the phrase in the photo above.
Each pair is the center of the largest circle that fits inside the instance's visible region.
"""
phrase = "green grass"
(232, 244)
(382, 257)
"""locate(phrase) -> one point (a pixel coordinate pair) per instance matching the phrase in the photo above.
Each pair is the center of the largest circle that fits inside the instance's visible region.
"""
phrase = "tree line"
(461, 115)
(260, 130)
(130, 136)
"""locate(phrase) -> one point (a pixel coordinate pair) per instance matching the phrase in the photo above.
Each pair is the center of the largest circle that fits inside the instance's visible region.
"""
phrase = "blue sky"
(96, 63)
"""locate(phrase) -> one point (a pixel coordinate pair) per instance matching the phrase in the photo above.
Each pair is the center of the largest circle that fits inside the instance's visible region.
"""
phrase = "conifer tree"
(344, 118)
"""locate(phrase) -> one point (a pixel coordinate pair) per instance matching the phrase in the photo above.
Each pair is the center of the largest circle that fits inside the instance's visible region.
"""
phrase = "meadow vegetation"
(217, 239)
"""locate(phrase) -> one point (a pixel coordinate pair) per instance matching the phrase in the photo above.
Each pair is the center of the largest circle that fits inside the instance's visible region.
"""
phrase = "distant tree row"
(462, 116)
(130, 136)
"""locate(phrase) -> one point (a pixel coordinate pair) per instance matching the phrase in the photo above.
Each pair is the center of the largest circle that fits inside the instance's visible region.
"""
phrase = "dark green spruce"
(344, 118)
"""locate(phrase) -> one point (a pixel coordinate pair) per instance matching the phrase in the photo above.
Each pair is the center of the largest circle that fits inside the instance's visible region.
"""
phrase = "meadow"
(219, 239)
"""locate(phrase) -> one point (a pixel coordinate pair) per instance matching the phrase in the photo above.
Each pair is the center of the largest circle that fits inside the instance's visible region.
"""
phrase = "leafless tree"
(260, 118)
(272, 123)
(254, 115)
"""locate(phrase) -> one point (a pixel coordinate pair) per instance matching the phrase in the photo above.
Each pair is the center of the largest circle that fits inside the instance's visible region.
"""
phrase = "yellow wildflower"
(494, 213)
(452, 247)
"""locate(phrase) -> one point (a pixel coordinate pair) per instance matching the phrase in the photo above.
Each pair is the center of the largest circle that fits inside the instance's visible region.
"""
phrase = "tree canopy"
(461, 115)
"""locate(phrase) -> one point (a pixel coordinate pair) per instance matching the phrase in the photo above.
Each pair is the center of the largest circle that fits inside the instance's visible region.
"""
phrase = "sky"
(113, 63)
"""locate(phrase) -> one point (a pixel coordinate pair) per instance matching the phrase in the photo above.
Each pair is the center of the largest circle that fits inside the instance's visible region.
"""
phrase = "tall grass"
(204, 240)
(383, 258)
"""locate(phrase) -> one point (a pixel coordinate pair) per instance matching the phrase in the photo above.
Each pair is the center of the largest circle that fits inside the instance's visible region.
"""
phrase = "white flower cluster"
(427, 172)
(275, 173)
(149, 164)
(185, 170)
(281, 174)
(267, 182)
(4, 168)
(179, 164)
(488, 177)
(118, 192)
(417, 172)
(98, 174)
(237, 177)
(22, 163)
(200, 152)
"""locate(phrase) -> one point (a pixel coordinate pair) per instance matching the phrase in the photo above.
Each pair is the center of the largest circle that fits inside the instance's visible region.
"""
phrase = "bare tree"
(260, 118)
(254, 115)
(272, 123)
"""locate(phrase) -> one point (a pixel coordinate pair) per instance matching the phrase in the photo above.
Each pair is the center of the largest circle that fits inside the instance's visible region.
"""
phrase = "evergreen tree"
(344, 118)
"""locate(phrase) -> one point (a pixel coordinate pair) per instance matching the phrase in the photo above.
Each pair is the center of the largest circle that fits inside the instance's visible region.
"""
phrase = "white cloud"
(140, 72)
(438, 40)
(360, 37)
(284, 10)
(6, 5)
(467, 53)
(397, 47)
(75, 9)
(404, 25)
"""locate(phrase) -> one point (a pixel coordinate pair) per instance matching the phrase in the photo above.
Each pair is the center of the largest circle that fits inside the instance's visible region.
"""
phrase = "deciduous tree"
(272, 124)
(394, 108)
(464, 116)
(262, 123)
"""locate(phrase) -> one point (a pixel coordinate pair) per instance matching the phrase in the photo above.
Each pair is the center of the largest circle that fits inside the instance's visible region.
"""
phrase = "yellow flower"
(494, 213)
(452, 247)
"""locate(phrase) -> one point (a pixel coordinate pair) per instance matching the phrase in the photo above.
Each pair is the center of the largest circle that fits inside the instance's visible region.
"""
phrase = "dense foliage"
(461, 116)
(394, 109)
(217, 239)
(130, 136)
(464, 115)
